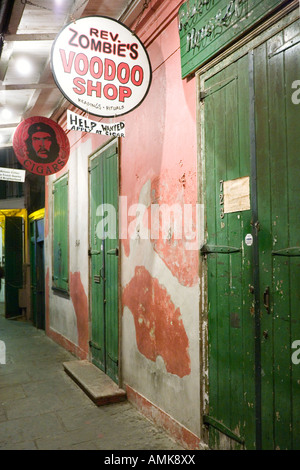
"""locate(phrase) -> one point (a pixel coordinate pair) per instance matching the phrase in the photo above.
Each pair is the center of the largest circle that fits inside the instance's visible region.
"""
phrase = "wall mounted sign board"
(41, 146)
(12, 174)
(76, 122)
(206, 27)
(100, 66)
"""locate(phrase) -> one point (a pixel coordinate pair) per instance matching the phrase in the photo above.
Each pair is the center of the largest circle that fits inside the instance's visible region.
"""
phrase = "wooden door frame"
(95, 154)
(278, 22)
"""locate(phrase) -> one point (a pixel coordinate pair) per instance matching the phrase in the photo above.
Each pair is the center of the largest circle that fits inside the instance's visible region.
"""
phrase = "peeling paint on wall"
(158, 323)
(174, 190)
(80, 303)
(170, 199)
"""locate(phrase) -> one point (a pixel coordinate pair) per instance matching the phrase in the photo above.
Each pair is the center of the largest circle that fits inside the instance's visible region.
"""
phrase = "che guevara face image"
(42, 146)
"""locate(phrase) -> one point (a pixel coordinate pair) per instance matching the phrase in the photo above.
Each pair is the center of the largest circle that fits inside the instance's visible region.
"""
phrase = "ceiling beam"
(4, 57)
(16, 16)
(2, 146)
(30, 37)
(131, 12)
(78, 9)
(5, 14)
(27, 86)
(12, 125)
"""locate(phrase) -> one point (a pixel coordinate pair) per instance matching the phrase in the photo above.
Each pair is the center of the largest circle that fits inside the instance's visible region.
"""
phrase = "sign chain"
(145, 6)
(28, 2)
(78, 8)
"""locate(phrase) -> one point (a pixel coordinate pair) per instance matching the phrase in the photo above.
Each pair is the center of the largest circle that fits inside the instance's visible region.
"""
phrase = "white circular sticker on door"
(249, 239)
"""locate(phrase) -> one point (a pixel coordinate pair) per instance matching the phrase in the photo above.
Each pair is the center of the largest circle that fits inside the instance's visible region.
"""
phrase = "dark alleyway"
(41, 408)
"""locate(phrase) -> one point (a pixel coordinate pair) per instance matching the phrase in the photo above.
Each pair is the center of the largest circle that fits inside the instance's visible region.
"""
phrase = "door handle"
(267, 299)
(102, 274)
(114, 251)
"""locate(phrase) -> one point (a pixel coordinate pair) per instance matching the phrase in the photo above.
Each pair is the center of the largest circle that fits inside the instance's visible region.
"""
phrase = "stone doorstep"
(100, 388)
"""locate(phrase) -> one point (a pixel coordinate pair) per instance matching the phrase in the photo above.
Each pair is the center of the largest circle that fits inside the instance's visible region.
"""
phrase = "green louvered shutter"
(60, 235)
(104, 252)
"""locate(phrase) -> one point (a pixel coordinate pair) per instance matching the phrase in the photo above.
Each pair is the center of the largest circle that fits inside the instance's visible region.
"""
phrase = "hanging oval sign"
(101, 66)
(41, 146)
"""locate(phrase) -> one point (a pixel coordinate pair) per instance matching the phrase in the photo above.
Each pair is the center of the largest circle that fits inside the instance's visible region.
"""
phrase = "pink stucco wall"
(158, 165)
(160, 148)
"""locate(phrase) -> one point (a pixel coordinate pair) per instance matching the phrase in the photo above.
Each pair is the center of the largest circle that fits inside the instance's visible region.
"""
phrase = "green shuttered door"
(60, 235)
(37, 272)
(253, 255)
(231, 334)
(104, 260)
(277, 66)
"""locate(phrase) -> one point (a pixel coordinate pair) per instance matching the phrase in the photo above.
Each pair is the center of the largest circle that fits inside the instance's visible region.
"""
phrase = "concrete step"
(101, 389)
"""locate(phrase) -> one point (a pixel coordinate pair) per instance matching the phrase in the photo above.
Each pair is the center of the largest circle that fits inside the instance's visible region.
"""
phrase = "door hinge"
(292, 42)
(209, 421)
(207, 249)
(94, 345)
(290, 251)
(216, 87)
(93, 252)
(113, 359)
(114, 251)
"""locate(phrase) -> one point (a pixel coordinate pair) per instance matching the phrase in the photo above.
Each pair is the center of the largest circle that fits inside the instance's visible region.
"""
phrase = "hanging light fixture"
(24, 66)
(6, 113)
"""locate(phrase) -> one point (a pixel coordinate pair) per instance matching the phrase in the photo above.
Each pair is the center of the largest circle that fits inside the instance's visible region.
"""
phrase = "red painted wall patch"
(159, 327)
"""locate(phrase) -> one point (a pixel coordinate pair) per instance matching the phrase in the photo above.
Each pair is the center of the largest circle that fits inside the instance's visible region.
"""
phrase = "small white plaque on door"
(249, 239)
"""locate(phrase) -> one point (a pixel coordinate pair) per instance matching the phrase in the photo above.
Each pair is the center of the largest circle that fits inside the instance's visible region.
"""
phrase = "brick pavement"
(41, 407)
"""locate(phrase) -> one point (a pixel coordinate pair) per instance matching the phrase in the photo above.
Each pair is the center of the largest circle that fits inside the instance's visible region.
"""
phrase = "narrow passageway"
(41, 408)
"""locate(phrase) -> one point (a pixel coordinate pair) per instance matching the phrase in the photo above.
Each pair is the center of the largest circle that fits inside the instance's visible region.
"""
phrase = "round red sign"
(41, 146)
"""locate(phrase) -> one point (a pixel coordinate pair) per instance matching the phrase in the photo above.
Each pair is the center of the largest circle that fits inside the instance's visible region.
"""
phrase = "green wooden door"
(277, 66)
(37, 271)
(33, 280)
(252, 251)
(231, 332)
(40, 274)
(60, 235)
(104, 260)
(13, 265)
